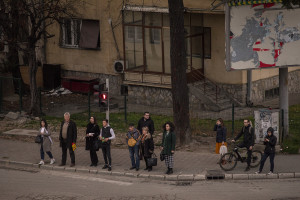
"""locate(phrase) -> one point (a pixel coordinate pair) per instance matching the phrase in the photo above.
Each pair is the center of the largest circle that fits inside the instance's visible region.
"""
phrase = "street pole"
(232, 123)
(249, 86)
(284, 98)
(125, 107)
(89, 102)
(107, 111)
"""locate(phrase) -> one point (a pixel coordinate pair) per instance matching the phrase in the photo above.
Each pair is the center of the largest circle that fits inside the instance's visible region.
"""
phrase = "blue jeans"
(263, 160)
(43, 154)
(134, 156)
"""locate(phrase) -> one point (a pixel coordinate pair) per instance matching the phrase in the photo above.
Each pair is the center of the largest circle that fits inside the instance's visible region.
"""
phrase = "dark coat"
(168, 143)
(147, 146)
(249, 137)
(270, 146)
(221, 133)
(148, 123)
(91, 128)
(71, 134)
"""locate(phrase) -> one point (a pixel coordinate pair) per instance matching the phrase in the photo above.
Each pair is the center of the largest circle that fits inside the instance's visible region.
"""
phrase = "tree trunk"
(180, 94)
(34, 95)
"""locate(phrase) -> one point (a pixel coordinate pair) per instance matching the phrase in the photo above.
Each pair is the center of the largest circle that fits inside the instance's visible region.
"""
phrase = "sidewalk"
(185, 162)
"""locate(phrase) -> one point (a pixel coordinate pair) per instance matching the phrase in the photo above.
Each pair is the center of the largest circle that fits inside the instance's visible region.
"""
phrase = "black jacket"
(91, 128)
(249, 137)
(270, 146)
(148, 146)
(148, 123)
(221, 133)
(71, 134)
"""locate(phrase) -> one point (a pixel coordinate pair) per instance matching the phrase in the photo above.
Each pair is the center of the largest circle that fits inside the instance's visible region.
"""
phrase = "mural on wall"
(263, 35)
(263, 120)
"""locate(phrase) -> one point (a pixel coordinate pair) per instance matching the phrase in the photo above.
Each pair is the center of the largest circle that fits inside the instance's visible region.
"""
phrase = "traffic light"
(103, 99)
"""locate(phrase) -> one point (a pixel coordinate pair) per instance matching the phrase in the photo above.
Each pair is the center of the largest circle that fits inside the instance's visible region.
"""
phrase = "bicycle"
(229, 160)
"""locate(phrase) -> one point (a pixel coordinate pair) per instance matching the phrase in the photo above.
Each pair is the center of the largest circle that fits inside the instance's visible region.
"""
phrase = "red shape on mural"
(263, 65)
(277, 53)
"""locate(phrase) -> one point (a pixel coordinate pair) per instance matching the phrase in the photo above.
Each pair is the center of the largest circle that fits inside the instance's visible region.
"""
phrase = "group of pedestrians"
(139, 140)
(247, 132)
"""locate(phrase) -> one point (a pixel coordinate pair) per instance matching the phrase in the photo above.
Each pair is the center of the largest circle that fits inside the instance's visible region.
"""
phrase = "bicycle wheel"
(228, 161)
(255, 158)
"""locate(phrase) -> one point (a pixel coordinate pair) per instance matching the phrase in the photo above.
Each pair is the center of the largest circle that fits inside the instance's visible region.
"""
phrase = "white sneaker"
(258, 172)
(270, 173)
(52, 161)
(41, 162)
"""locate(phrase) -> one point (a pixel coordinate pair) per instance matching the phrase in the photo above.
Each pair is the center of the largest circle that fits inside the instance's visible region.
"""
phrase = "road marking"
(88, 178)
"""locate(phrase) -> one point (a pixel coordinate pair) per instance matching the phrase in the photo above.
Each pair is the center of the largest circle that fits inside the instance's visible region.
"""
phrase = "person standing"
(146, 121)
(147, 146)
(106, 135)
(67, 137)
(133, 133)
(168, 145)
(46, 142)
(248, 140)
(270, 142)
(221, 134)
(92, 134)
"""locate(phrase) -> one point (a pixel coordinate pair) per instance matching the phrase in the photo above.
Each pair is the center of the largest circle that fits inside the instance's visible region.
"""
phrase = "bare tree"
(37, 16)
(180, 93)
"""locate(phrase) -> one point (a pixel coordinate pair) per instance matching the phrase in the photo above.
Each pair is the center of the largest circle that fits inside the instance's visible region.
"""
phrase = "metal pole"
(249, 86)
(125, 107)
(232, 131)
(284, 98)
(20, 95)
(107, 111)
(89, 102)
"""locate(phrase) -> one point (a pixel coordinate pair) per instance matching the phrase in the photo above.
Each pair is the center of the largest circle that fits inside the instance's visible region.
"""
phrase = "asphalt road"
(32, 184)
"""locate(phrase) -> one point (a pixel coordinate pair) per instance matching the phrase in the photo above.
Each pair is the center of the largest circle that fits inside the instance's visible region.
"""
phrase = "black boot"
(167, 172)
(170, 171)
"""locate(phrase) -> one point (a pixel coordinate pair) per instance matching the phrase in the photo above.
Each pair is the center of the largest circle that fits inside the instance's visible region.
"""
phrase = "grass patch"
(291, 144)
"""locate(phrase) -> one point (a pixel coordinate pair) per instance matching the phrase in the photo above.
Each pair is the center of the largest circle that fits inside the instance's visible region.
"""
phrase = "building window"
(134, 34)
(272, 93)
(79, 33)
(155, 36)
(147, 42)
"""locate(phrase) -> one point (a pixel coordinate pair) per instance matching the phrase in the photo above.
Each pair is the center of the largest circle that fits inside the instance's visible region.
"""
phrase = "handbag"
(97, 144)
(223, 150)
(38, 139)
(152, 161)
(131, 141)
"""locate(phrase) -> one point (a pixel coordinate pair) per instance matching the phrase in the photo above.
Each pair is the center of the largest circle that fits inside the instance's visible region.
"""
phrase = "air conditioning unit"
(119, 66)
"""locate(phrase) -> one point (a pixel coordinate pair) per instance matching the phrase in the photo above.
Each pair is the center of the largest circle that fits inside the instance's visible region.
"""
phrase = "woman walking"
(147, 146)
(221, 134)
(92, 134)
(168, 145)
(46, 142)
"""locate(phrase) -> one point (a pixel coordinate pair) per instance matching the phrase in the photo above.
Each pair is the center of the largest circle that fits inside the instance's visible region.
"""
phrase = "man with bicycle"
(248, 141)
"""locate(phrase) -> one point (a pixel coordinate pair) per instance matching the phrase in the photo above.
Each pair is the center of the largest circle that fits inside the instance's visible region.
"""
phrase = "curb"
(180, 177)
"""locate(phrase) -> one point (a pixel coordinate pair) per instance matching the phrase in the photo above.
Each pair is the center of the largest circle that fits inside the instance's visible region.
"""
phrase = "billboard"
(261, 35)
(263, 120)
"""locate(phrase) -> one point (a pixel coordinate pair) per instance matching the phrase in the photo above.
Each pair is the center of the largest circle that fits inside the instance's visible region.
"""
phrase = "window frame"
(72, 28)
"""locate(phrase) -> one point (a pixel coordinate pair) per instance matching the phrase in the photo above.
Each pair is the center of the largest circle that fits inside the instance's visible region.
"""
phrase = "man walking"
(146, 121)
(248, 141)
(67, 138)
(106, 135)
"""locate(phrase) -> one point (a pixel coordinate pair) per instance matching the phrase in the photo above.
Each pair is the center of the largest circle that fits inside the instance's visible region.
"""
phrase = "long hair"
(46, 124)
(172, 126)
(95, 122)
(222, 122)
